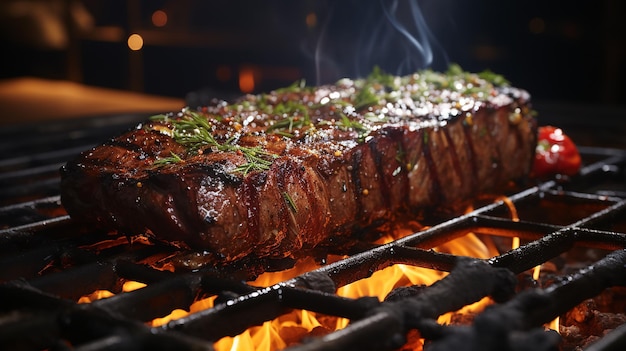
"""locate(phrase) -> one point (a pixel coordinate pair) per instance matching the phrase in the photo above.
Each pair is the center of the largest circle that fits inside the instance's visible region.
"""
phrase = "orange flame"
(554, 325)
(103, 294)
(290, 328)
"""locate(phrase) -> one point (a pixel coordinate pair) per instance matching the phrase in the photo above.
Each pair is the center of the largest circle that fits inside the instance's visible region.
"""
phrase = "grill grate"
(49, 262)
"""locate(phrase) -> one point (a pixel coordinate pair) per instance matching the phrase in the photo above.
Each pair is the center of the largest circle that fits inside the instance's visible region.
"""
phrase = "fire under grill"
(575, 229)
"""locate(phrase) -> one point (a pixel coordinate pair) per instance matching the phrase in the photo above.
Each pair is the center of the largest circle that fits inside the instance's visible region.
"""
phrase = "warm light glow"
(159, 18)
(515, 243)
(514, 217)
(135, 42)
(290, 328)
(264, 280)
(175, 314)
(512, 209)
(223, 73)
(96, 295)
(311, 20)
(537, 25)
(272, 335)
(246, 80)
(516, 240)
(132, 285)
(536, 272)
(103, 294)
(554, 325)
(469, 245)
(476, 307)
(179, 313)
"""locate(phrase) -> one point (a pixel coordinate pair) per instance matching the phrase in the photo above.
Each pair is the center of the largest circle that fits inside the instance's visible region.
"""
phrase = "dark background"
(560, 51)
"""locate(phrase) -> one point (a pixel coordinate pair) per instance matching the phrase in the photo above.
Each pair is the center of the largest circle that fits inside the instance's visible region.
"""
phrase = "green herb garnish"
(290, 107)
(295, 87)
(194, 131)
(376, 81)
(454, 70)
(493, 78)
(290, 123)
(355, 106)
(346, 124)
(290, 202)
(379, 76)
(174, 158)
(257, 160)
(365, 97)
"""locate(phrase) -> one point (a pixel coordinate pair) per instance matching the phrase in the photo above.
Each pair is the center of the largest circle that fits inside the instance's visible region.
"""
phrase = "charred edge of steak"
(276, 173)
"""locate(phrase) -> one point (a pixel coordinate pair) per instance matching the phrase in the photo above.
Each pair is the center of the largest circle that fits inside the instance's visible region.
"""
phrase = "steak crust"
(275, 173)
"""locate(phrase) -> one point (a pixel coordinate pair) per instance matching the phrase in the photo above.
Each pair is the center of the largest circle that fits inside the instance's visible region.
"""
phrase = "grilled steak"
(275, 173)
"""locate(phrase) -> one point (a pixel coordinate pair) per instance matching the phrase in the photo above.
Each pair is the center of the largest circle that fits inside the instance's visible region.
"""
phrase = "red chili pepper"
(555, 154)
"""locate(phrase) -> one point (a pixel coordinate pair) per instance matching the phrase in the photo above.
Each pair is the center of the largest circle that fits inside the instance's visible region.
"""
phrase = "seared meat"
(274, 173)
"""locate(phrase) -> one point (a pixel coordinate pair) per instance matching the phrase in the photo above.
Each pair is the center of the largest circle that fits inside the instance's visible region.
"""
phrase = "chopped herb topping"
(378, 76)
(365, 97)
(288, 124)
(493, 78)
(194, 131)
(295, 87)
(291, 107)
(375, 83)
(360, 107)
(347, 124)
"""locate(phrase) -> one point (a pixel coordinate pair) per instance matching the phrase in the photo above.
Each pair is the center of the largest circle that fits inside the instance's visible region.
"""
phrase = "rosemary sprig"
(360, 110)
(291, 108)
(290, 202)
(174, 158)
(194, 131)
(288, 124)
(257, 159)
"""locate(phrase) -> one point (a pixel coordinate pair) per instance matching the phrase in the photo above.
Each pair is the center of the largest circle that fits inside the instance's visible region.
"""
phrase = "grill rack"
(47, 268)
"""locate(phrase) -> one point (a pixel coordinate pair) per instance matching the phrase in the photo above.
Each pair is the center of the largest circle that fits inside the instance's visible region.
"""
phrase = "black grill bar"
(525, 312)
(533, 308)
(30, 156)
(475, 277)
(48, 262)
(146, 304)
(101, 325)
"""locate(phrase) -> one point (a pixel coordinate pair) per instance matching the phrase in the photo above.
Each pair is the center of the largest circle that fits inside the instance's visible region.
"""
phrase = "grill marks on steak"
(332, 169)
